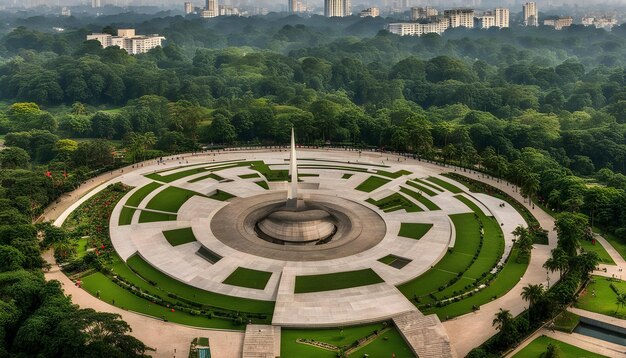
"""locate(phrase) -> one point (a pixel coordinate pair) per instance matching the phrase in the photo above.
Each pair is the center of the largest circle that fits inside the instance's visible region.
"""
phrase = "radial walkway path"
(425, 335)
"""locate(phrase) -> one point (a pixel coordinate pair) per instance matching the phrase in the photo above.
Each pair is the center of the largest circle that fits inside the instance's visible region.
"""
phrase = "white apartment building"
(460, 18)
(531, 14)
(95, 3)
(423, 12)
(210, 9)
(417, 29)
(339, 8)
(292, 6)
(559, 23)
(126, 39)
(502, 17)
(484, 21)
(188, 8)
(372, 11)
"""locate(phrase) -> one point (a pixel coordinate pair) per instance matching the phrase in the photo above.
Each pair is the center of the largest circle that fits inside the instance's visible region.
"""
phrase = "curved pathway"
(169, 338)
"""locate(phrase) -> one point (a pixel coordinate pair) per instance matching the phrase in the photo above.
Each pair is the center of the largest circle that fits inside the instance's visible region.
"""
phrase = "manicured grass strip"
(126, 216)
(244, 277)
(372, 183)
(221, 195)
(268, 173)
(605, 297)
(444, 184)
(82, 246)
(566, 321)
(470, 204)
(151, 216)
(428, 282)
(137, 197)
(537, 348)
(387, 259)
(414, 230)
(338, 337)
(336, 281)
(393, 175)
(428, 184)
(420, 187)
(395, 202)
(262, 184)
(304, 175)
(170, 199)
(175, 176)
(209, 176)
(617, 244)
(166, 283)
(604, 256)
(421, 198)
(347, 176)
(111, 292)
(394, 261)
(507, 278)
(250, 176)
(179, 236)
(388, 344)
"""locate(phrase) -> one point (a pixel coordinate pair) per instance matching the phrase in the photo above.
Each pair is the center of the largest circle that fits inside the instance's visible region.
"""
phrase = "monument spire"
(293, 170)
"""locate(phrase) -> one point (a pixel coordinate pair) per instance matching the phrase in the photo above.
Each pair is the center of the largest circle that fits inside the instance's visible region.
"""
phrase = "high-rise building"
(336, 8)
(485, 21)
(210, 9)
(372, 11)
(347, 8)
(126, 39)
(293, 6)
(423, 12)
(502, 17)
(531, 14)
(95, 3)
(188, 8)
(460, 17)
(438, 26)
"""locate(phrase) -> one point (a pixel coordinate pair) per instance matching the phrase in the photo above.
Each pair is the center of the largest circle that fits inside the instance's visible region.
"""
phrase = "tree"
(558, 261)
(503, 320)
(14, 157)
(620, 301)
(552, 351)
(11, 259)
(532, 294)
(571, 229)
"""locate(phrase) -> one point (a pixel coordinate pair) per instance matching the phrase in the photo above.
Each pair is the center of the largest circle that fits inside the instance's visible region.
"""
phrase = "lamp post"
(548, 278)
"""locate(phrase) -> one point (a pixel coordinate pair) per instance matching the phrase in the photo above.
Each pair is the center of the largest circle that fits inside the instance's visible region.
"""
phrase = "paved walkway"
(599, 317)
(581, 341)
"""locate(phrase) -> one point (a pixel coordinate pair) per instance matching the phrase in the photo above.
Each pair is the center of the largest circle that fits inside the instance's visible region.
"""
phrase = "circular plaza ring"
(358, 228)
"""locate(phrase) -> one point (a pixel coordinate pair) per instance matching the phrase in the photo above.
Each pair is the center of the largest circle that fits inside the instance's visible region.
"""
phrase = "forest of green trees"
(541, 108)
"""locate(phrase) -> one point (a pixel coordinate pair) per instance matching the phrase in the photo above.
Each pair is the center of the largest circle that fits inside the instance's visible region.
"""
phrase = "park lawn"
(587, 245)
(604, 300)
(393, 175)
(170, 199)
(388, 259)
(81, 246)
(166, 283)
(467, 230)
(151, 216)
(221, 195)
(137, 197)
(444, 184)
(245, 277)
(269, 173)
(263, 184)
(428, 282)
(566, 321)
(250, 176)
(414, 230)
(175, 176)
(395, 202)
(179, 236)
(389, 344)
(124, 299)
(506, 279)
(346, 176)
(428, 184)
(470, 204)
(617, 244)
(208, 176)
(126, 216)
(336, 281)
(421, 198)
(339, 337)
(421, 188)
(372, 183)
(539, 345)
(491, 251)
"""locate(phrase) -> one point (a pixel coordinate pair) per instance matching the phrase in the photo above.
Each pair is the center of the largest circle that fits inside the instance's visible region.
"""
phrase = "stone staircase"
(261, 341)
(425, 334)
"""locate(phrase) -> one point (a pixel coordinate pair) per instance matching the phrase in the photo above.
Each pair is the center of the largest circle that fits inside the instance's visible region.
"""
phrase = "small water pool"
(600, 333)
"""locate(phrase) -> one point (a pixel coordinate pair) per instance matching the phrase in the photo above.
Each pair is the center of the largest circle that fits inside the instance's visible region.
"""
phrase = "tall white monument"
(292, 192)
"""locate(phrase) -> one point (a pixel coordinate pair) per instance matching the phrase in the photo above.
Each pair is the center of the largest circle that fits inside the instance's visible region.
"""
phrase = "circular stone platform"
(358, 228)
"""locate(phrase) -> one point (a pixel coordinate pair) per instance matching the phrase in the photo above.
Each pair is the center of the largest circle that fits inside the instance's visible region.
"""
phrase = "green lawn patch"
(388, 344)
(250, 176)
(262, 184)
(338, 337)
(428, 184)
(346, 176)
(395, 202)
(168, 284)
(414, 230)
(470, 204)
(151, 216)
(137, 197)
(82, 244)
(221, 195)
(245, 277)
(170, 199)
(566, 321)
(539, 345)
(421, 198)
(208, 176)
(336, 281)
(372, 183)
(617, 244)
(175, 176)
(126, 216)
(421, 188)
(394, 261)
(604, 300)
(179, 236)
(268, 173)
(111, 292)
(393, 175)
(444, 184)
(604, 256)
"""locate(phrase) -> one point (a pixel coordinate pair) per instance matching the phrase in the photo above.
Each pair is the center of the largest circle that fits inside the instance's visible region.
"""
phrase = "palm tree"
(532, 294)
(620, 301)
(503, 319)
(558, 261)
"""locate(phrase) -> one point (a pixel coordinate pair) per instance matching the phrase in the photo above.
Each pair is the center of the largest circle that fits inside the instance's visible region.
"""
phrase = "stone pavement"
(261, 341)
(581, 341)
(425, 335)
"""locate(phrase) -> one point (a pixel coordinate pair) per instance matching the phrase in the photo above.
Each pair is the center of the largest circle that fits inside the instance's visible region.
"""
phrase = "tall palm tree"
(532, 294)
(620, 301)
(503, 319)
